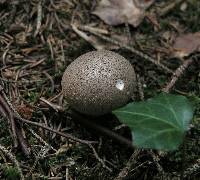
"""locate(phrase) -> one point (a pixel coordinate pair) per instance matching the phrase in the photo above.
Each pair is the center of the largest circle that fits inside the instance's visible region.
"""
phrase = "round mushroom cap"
(98, 82)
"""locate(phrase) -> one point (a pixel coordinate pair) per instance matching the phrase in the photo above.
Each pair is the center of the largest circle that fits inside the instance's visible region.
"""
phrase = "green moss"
(10, 173)
(32, 96)
(5, 137)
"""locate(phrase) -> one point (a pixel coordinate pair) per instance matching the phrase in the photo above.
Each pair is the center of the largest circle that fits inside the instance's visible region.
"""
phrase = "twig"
(120, 127)
(39, 138)
(62, 52)
(156, 160)
(50, 46)
(17, 115)
(66, 174)
(68, 136)
(23, 143)
(91, 40)
(51, 80)
(124, 172)
(59, 23)
(89, 143)
(52, 105)
(140, 88)
(123, 45)
(14, 160)
(39, 18)
(176, 75)
(103, 130)
(99, 159)
(128, 32)
(9, 115)
(169, 8)
(97, 30)
(7, 109)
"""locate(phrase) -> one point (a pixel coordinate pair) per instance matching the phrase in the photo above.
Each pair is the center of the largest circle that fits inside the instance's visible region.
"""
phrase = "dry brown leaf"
(186, 44)
(115, 12)
(25, 111)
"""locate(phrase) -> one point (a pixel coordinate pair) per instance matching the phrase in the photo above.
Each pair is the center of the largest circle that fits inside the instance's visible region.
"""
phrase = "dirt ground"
(39, 39)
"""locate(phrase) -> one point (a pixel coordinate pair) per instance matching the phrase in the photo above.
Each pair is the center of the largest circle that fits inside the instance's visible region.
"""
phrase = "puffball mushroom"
(98, 82)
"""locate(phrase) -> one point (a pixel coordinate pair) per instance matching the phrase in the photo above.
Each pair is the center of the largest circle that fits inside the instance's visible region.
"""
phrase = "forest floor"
(39, 39)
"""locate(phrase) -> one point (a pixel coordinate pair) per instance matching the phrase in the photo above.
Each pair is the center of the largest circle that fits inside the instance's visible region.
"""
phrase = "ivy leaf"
(158, 123)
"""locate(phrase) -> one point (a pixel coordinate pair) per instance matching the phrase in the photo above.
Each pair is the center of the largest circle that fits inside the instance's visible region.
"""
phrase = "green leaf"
(158, 123)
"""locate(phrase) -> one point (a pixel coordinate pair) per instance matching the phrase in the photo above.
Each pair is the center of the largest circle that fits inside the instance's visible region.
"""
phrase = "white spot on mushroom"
(120, 84)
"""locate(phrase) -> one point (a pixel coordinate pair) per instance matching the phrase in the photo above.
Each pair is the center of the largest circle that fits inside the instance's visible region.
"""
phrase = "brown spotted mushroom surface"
(98, 82)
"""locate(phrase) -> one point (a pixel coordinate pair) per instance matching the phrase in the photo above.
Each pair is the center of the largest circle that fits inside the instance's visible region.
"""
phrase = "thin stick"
(99, 159)
(124, 172)
(69, 136)
(128, 33)
(22, 141)
(39, 138)
(7, 109)
(39, 18)
(9, 116)
(140, 88)
(133, 50)
(17, 115)
(103, 130)
(177, 74)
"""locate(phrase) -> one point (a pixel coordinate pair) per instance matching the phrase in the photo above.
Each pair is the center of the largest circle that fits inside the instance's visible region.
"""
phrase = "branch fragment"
(176, 75)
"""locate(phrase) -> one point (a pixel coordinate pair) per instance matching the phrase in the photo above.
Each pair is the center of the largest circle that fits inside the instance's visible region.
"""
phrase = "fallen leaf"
(25, 111)
(186, 44)
(115, 12)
